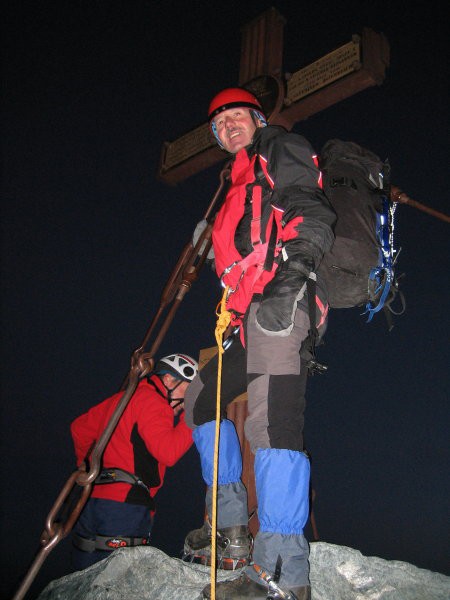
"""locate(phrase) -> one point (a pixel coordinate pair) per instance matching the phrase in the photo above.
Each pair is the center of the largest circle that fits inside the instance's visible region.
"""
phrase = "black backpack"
(359, 269)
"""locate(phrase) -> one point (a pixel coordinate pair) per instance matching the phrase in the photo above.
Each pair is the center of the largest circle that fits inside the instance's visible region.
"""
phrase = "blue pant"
(110, 518)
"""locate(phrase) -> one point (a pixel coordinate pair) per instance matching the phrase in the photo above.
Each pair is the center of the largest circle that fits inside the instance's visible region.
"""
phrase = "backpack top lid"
(343, 158)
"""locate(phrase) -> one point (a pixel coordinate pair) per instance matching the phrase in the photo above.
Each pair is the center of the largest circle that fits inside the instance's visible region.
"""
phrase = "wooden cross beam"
(262, 46)
(286, 99)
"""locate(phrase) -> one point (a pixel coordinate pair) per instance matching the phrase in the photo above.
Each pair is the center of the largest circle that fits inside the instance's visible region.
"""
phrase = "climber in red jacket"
(146, 440)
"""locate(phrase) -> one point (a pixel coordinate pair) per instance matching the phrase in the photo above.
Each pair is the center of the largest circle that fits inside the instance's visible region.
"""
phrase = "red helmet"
(232, 97)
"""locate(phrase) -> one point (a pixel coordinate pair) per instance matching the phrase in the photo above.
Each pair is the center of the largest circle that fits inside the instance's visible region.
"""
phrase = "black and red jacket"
(279, 173)
(144, 442)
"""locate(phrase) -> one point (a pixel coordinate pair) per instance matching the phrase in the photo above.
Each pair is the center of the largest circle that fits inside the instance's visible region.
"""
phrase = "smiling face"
(235, 128)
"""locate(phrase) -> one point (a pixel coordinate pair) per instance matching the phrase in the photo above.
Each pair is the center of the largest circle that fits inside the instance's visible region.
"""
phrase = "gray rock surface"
(337, 573)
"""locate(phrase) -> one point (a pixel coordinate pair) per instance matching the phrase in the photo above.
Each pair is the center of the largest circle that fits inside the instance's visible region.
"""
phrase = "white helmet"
(180, 366)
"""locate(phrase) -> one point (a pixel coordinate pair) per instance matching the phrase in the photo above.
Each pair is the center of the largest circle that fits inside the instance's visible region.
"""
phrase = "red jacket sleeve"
(147, 410)
(164, 441)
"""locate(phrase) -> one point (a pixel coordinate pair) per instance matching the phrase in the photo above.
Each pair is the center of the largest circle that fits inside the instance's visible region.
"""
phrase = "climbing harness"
(107, 543)
(263, 256)
(116, 475)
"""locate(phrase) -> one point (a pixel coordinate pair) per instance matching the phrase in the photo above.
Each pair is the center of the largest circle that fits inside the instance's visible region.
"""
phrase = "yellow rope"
(223, 320)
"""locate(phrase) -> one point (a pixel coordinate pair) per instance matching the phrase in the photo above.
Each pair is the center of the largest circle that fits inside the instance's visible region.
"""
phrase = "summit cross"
(285, 98)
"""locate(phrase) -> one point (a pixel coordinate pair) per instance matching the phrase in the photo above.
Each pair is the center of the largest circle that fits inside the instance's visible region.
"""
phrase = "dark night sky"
(91, 90)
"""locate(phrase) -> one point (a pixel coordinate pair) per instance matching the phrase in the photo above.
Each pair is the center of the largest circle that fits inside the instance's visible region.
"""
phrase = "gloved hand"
(200, 227)
(275, 314)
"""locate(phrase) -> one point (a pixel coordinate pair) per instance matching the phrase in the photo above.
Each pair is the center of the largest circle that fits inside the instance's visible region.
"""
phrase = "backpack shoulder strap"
(262, 179)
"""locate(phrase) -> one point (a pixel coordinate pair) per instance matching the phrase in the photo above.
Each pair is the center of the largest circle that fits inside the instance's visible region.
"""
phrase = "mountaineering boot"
(244, 587)
(233, 546)
(233, 540)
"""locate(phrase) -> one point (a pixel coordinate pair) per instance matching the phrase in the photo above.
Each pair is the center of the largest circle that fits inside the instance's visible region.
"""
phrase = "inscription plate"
(329, 68)
(188, 145)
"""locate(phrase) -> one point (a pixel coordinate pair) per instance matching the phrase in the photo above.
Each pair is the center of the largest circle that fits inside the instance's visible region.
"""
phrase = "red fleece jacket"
(149, 412)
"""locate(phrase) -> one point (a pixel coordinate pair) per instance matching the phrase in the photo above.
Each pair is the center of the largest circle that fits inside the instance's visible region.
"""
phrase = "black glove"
(275, 315)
